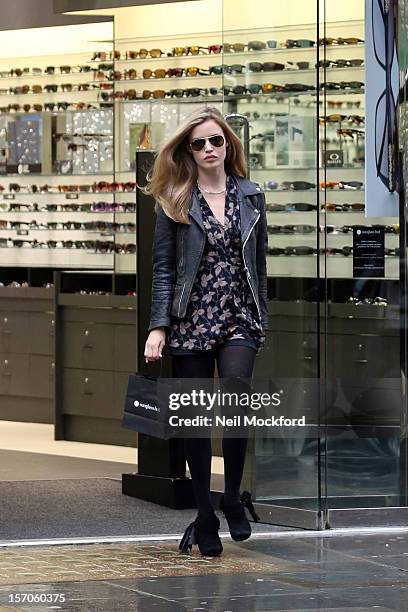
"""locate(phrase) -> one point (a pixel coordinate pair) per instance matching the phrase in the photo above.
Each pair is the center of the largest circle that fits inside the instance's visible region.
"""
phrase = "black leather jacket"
(178, 248)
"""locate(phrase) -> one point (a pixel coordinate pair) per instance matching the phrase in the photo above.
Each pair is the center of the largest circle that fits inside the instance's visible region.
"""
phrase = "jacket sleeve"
(261, 247)
(164, 270)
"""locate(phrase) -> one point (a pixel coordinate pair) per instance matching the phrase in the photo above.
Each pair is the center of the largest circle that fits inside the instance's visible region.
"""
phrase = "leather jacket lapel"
(247, 213)
(195, 210)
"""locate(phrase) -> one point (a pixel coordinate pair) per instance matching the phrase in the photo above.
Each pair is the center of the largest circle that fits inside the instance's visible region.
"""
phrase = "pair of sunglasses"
(338, 118)
(300, 43)
(193, 50)
(340, 63)
(291, 229)
(129, 94)
(297, 185)
(354, 206)
(289, 250)
(351, 40)
(350, 132)
(189, 92)
(350, 184)
(265, 66)
(143, 53)
(215, 141)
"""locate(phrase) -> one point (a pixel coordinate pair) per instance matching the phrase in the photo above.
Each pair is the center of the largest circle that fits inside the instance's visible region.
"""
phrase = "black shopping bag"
(144, 412)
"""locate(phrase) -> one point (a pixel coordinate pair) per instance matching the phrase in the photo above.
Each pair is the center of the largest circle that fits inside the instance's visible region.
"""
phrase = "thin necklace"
(211, 192)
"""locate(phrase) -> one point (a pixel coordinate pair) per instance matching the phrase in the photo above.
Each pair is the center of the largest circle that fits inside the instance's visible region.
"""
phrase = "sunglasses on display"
(291, 207)
(328, 184)
(234, 47)
(21, 89)
(300, 43)
(190, 92)
(340, 63)
(345, 251)
(105, 55)
(338, 118)
(19, 71)
(143, 53)
(159, 73)
(113, 207)
(354, 206)
(157, 93)
(25, 107)
(256, 45)
(129, 94)
(191, 50)
(377, 301)
(291, 250)
(105, 186)
(176, 72)
(218, 69)
(86, 68)
(291, 229)
(343, 104)
(217, 140)
(386, 106)
(350, 185)
(297, 185)
(265, 66)
(234, 69)
(350, 132)
(194, 71)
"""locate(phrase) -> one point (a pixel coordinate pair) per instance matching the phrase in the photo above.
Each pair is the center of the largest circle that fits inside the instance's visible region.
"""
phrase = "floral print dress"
(221, 304)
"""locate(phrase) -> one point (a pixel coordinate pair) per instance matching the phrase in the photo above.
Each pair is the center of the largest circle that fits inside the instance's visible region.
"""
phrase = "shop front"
(301, 83)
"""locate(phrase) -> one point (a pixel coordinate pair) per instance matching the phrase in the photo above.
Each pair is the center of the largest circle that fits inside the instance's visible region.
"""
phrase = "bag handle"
(161, 369)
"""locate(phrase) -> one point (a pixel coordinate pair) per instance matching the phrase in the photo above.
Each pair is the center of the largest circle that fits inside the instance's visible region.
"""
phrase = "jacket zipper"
(246, 269)
(181, 297)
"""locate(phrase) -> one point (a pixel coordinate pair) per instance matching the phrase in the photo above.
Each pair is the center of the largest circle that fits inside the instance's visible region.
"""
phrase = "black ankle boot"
(204, 532)
(238, 524)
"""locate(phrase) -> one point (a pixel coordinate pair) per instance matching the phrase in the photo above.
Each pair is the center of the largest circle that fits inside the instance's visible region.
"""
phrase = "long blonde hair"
(174, 172)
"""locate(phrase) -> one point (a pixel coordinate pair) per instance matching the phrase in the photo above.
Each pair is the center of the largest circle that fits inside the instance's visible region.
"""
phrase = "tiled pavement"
(339, 573)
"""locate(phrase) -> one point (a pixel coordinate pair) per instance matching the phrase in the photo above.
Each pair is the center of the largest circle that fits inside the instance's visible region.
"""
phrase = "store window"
(295, 75)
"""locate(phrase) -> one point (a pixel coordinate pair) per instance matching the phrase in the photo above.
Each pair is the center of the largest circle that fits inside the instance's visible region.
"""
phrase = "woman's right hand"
(154, 344)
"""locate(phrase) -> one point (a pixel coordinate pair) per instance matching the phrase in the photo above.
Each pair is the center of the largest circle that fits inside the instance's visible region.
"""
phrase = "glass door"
(270, 54)
(363, 274)
(336, 252)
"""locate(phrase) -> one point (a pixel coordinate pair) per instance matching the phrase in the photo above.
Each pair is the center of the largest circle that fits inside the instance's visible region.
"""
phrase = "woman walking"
(209, 294)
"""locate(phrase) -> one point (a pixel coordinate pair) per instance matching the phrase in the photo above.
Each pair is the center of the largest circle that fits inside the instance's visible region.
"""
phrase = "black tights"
(233, 360)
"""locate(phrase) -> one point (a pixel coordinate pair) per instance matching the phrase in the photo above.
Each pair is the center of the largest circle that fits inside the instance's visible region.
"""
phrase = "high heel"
(239, 526)
(203, 532)
(246, 499)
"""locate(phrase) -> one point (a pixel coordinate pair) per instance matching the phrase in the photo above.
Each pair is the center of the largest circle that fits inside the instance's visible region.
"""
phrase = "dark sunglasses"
(189, 92)
(265, 66)
(299, 43)
(199, 143)
(332, 207)
(256, 45)
(297, 185)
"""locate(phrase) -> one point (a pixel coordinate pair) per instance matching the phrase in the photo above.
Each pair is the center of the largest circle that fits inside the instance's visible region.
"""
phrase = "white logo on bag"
(136, 403)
